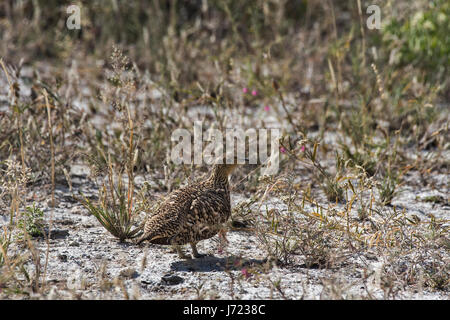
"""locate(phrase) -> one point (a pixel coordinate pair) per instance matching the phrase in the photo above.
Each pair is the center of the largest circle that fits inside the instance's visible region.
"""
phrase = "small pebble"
(170, 280)
(129, 273)
(62, 257)
(74, 244)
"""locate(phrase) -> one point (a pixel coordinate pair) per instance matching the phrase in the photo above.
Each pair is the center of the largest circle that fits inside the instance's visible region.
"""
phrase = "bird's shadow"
(215, 264)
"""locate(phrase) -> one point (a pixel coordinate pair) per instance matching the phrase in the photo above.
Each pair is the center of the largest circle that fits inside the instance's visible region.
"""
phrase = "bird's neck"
(219, 176)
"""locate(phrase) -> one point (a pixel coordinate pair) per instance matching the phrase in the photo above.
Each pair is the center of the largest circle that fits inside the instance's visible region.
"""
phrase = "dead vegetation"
(364, 120)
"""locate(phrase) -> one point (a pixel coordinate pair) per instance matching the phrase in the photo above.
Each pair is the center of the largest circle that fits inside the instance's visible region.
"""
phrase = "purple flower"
(245, 273)
(266, 108)
(244, 90)
(283, 149)
(254, 93)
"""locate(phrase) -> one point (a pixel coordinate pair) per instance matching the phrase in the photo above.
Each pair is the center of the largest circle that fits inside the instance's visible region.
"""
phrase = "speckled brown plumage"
(192, 213)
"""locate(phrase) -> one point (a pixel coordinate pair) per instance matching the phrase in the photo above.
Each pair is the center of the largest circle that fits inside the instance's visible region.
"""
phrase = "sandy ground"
(86, 262)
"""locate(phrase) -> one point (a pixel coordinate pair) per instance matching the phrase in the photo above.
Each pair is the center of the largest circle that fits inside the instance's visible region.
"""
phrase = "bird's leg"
(223, 241)
(180, 252)
(194, 250)
(223, 236)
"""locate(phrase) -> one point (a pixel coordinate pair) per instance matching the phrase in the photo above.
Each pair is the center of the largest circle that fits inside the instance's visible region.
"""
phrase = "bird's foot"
(181, 254)
(184, 256)
(195, 252)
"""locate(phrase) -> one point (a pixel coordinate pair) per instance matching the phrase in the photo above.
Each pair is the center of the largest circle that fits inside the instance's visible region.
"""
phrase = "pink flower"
(266, 108)
(302, 148)
(283, 149)
(245, 273)
(254, 93)
(244, 90)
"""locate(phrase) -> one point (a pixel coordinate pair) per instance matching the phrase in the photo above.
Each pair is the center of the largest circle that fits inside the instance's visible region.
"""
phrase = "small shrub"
(423, 37)
(115, 211)
(32, 221)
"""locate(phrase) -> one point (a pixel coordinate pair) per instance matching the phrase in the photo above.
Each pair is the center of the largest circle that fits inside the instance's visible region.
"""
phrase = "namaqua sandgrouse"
(192, 213)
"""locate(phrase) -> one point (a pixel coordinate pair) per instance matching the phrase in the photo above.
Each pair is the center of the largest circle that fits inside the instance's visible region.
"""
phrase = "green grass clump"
(32, 221)
(115, 209)
(117, 219)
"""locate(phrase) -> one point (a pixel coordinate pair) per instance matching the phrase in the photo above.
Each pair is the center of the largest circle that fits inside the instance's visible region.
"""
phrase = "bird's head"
(224, 167)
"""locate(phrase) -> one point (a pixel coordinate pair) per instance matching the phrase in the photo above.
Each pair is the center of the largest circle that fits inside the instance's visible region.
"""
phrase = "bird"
(192, 213)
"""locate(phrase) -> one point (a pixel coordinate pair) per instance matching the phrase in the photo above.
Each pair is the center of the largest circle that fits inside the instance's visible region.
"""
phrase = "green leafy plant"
(32, 221)
(423, 37)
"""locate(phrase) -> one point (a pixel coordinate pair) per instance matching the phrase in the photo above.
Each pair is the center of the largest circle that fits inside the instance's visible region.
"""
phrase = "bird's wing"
(187, 211)
(209, 209)
(170, 217)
